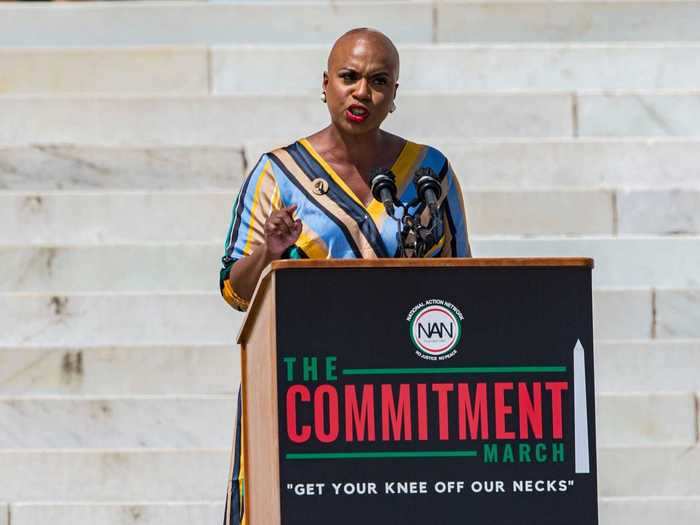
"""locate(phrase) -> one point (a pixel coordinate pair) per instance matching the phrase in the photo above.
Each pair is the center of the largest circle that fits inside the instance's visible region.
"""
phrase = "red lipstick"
(356, 113)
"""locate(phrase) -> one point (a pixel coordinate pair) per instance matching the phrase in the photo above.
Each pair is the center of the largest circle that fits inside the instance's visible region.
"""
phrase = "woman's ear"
(396, 88)
(324, 85)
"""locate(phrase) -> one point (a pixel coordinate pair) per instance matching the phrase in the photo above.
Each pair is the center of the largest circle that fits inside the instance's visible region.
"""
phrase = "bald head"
(363, 40)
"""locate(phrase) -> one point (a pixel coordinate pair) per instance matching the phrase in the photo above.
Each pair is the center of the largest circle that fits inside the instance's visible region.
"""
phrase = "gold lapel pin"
(320, 186)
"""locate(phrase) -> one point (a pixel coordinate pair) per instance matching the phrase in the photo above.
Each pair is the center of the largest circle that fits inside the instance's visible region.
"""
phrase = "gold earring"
(323, 97)
(392, 108)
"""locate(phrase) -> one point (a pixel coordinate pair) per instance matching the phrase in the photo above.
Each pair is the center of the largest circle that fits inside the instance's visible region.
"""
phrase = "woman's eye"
(347, 76)
(380, 81)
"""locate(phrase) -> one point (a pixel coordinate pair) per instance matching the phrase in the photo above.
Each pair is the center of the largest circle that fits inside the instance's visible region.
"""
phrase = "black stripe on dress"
(443, 171)
(448, 212)
(233, 238)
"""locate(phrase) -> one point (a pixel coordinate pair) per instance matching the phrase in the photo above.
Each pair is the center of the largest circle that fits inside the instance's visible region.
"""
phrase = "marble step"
(661, 212)
(186, 422)
(170, 512)
(110, 475)
(647, 419)
(648, 114)
(203, 318)
(199, 475)
(656, 366)
(612, 511)
(122, 217)
(118, 319)
(663, 262)
(120, 370)
(621, 368)
(619, 261)
(233, 119)
(192, 22)
(504, 164)
(95, 168)
(572, 163)
(149, 422)
(649, 471)
(446, 68)
(432, 68)
(676, 313)
(574, 21)
(89, 24)
(152, 69)
(649, 511)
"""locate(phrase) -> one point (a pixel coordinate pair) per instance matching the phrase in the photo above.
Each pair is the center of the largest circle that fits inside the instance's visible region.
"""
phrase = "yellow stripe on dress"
(312, 245)
(256, 213)
(241, 472)
(435, 247)
(233, 298)
(403, 168)
(277, 198)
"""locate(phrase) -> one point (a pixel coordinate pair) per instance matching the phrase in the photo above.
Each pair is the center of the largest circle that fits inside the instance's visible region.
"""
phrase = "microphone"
(383, 184)
(428, 189)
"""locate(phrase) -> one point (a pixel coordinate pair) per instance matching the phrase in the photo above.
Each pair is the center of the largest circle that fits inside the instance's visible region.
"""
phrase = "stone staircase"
(126, 129)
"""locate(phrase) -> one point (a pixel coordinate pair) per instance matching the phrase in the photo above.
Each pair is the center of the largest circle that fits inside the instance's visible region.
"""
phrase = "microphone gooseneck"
(383, 184)
(416, 238)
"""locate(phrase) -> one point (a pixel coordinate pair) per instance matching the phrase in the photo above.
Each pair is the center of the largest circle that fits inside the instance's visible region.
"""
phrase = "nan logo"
(436, 328)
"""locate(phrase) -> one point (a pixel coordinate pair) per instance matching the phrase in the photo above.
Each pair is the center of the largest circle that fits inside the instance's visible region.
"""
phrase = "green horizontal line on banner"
(453, 370)
(373, 455)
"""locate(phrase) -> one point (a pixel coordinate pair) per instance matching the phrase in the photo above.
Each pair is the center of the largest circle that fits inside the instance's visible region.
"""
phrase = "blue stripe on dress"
(434, 160)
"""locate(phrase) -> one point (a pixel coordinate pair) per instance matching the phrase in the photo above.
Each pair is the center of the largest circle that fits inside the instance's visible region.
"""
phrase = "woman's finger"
(287, 218)
(280, 227)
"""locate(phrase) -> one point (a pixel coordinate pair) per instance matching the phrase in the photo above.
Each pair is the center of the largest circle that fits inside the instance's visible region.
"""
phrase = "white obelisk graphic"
(580, 412)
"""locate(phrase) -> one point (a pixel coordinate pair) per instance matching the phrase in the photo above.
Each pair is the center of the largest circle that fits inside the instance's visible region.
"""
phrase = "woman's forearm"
(246, 271)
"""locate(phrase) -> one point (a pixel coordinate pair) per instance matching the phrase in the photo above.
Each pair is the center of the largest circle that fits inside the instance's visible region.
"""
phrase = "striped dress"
(336, 225)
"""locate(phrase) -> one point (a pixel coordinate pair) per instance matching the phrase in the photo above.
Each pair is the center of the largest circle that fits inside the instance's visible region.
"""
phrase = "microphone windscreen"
(426, 179)
(382, 179)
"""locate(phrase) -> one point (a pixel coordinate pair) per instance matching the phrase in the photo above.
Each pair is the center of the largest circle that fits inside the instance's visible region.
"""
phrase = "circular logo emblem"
(435, 327)
(320, 186)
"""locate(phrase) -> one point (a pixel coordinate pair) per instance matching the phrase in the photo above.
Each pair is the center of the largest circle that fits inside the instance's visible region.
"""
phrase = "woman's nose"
(362, 90)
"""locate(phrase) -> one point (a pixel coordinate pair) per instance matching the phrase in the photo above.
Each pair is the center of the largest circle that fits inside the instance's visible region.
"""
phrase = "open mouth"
(356, 114)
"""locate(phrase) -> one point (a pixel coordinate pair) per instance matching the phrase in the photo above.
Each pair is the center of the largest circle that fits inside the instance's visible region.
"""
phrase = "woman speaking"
(312, 199)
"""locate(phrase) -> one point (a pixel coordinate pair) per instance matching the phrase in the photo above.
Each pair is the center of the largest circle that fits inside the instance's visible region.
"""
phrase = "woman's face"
(361, 82)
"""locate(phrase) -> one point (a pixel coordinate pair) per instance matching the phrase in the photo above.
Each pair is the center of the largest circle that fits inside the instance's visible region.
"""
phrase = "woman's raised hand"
(281, 230)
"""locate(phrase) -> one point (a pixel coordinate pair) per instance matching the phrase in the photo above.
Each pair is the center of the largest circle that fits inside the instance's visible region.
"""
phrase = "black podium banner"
(438, 396)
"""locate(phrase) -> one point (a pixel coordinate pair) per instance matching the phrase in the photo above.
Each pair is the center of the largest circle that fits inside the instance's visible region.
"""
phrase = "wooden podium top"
(501, 262)
(518, 262)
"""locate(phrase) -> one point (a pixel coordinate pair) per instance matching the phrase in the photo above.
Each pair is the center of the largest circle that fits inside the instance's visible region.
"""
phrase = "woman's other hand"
(281, 231)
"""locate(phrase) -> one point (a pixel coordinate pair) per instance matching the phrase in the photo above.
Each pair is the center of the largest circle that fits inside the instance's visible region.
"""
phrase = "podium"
(403, 391)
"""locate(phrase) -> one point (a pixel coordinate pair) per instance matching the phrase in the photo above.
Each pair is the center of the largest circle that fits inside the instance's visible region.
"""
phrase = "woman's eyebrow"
(347, 69)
